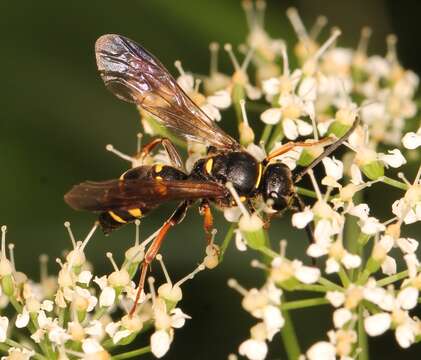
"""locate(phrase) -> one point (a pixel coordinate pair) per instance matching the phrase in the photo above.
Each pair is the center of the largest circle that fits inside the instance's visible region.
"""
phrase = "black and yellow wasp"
(134, 75)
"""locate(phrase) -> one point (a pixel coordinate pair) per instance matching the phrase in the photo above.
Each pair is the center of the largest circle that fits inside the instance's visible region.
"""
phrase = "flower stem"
(299, 304)
(289, 338)
(314, 288)
(277, 135)
(306, 192)
(329, 284)
(362, 336)
(395, 183)
(227, 239)
(266, 133)
(132, 354)
(163, 131)
(392, 278)
(344, 277)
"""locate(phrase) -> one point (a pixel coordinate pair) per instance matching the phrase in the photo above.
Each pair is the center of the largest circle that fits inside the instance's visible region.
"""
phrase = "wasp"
(134, 75)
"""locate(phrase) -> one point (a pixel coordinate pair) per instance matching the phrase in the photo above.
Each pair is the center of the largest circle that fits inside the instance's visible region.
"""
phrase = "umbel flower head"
(363, 266)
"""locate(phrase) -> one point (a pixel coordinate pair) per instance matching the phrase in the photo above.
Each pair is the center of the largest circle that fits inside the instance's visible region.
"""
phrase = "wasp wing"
(134, 75)
(129, 194)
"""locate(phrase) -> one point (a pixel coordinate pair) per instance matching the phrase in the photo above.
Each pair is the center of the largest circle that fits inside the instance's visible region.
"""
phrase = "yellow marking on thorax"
(243, 198)
(137, 213)
(158, 177)
(259, 176)
(158, 168)
(209, 166)
(117, 218)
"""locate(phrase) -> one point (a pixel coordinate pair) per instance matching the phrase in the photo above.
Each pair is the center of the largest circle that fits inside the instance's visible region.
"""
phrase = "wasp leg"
(177, 217)
(291, 144)
(168, 147)
(206, 212)
(330, 149)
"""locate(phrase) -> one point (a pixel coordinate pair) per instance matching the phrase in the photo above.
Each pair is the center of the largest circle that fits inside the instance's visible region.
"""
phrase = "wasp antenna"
(235, 63)
(319, 24)
(121, 155)
(330, 149)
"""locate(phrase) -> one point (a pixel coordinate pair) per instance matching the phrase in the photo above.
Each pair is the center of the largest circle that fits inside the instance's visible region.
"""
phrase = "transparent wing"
(134, 75)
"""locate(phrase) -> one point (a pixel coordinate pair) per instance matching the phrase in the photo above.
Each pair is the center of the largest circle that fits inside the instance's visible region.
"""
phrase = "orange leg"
(290, 145)
(169, 148)
(205, 210)
(153, 250)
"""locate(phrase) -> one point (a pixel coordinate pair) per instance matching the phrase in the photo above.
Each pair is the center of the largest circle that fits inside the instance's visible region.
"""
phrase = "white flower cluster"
(79, 315)
(356, 255)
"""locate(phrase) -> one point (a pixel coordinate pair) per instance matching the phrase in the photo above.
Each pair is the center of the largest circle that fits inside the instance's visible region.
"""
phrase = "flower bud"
(33, 305)
(251, 228)
(119, 279)
(76, 331)
(7, 284)
(76, 258)
(171, 294)
(6, 267)
(246, 134)
(132, 323)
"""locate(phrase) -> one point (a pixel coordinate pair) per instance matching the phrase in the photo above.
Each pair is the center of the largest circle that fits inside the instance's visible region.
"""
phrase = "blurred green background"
(56, 117)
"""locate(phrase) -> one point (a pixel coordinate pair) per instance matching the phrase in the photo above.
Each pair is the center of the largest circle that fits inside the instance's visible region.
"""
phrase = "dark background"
(56, 117)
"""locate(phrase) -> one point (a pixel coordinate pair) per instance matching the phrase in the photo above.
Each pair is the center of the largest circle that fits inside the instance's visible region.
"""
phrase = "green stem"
(289, 338)
(329, 284)
(300, 304)
(277, 135)
(227, 239)
(362, 336)
(392, 278)
(266, 133)
(395, 183)
(315, 288)
(306, 192)
(344, 277)
(132, 354)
